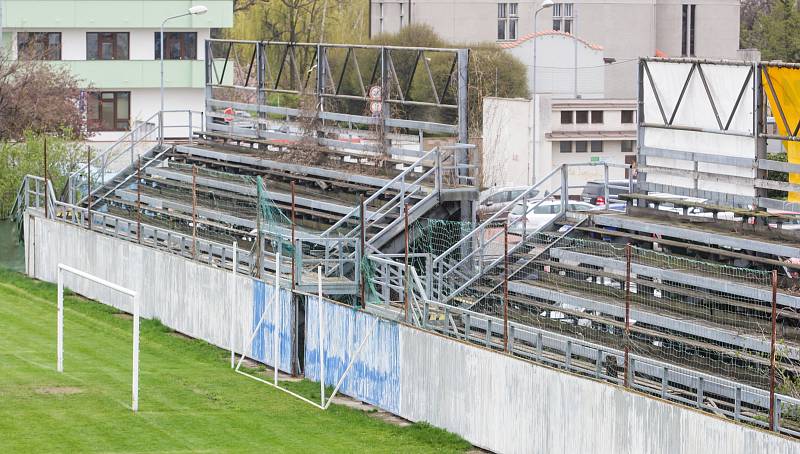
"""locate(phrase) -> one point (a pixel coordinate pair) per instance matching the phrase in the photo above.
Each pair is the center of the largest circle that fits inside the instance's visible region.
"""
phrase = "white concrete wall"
(565, 66)
(508, 405)
(507, 137)
(494, 401)
(194, 299)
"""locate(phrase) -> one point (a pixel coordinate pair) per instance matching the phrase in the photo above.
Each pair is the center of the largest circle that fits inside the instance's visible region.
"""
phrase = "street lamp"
(545, 4)
(193, 11)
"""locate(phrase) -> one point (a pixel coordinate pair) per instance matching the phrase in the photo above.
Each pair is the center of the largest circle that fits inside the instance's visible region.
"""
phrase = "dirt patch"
(123, 315)
(64, 390)
(180, 335)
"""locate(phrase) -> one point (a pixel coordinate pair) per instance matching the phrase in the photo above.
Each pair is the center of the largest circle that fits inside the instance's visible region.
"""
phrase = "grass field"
(190, 400)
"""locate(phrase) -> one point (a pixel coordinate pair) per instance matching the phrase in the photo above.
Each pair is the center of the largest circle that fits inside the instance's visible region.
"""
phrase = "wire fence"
(697, 314)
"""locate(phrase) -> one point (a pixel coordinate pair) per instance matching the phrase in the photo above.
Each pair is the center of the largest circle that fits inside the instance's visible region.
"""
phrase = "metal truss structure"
(357, 84)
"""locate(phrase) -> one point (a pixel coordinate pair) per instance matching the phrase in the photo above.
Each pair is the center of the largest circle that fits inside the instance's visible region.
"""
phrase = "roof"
(529, 36)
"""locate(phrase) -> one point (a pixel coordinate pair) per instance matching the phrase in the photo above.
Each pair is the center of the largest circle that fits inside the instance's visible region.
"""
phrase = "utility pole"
(627, 310)
(773, 337)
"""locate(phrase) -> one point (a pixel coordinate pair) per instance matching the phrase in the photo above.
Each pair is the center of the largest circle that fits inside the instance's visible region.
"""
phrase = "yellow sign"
(786, 84)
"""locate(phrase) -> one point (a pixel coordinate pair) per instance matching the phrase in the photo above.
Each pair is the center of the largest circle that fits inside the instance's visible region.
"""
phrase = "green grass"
(190, 400)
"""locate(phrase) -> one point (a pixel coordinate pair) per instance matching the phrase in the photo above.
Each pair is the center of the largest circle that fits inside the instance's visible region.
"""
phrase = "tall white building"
(113, 47)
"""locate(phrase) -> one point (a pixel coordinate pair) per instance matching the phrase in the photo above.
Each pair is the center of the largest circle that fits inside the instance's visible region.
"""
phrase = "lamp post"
(193, 11)
(545, 4)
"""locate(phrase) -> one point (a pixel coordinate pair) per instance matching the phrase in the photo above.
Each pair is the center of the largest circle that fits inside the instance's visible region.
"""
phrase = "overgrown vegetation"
(190, 400)
(19, 158)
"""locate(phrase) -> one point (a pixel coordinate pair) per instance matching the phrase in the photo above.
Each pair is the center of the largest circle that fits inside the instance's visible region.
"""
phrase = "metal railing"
(121, 155)
(659, 379)
(249, 262)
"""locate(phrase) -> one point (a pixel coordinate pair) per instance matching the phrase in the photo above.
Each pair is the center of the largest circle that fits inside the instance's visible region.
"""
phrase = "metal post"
(505, 286)
(233, 304)
(321, 337)
(276, 352)
(405, 270)
(60, 328)
(363, 252)
(605, 185)
(627, 310)
(139, 200)
(135, 390)
(46, 211)
(194, 212)
(772, 422)
(294, 271)
(89, 187)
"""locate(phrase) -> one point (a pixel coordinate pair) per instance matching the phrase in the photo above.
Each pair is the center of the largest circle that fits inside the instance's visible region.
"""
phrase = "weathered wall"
(263, 348)
(494, 401)
(194, 299)
(508, 405)
(375, 375)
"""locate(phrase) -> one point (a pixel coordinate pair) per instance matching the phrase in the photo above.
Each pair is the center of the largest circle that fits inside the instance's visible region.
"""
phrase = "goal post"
(62, 269)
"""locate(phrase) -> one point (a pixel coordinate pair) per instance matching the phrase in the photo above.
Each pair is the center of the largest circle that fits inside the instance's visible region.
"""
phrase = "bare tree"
(39, 97)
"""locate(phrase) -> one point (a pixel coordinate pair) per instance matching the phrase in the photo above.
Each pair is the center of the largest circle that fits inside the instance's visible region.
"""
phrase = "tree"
(774, 30)
(37, 96)
(37, 100)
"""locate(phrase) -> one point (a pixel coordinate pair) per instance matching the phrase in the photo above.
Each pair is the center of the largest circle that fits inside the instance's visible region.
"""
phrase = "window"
(177, 46)
(566, 117)
(626, 116)
(687, 31)
(597, 146)
(109, 111)
(582, 116)
(565, 147)
(39, 45)
(627, 146)
(507, 20)
(107, 46)
(563, 17)
(581, 146)
(597, 116)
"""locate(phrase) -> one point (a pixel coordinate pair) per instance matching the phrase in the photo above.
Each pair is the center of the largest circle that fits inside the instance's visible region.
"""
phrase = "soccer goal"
(62, 269)
(274, 301)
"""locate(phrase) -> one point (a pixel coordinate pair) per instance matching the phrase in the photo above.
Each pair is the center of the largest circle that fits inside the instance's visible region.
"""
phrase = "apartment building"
(113, 47)
(626, 29)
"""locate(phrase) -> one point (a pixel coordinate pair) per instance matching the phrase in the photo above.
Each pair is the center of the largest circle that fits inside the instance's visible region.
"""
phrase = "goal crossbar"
(62, 269)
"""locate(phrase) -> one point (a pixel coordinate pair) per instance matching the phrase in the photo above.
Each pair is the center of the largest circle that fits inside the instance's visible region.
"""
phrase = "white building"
(113, 48)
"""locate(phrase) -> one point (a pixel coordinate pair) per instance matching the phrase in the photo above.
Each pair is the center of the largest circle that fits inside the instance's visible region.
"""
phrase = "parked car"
(594, 191)
(538, 215)
(495, 199)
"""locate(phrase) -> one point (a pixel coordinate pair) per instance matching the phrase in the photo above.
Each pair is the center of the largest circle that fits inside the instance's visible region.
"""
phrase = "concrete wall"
(494, 401)
(375, 375)
(566, 66)
(508, 405)
(194, 299)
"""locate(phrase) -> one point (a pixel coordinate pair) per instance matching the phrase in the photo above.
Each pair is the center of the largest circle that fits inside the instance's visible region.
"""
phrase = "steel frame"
(288, 68)
(758, 162)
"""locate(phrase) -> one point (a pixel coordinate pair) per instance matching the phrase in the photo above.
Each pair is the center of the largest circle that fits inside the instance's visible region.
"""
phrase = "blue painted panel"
(262, 346)
(375, 375)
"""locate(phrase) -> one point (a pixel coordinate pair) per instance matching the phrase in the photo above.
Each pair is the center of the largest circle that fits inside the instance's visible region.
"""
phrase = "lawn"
(190, 400)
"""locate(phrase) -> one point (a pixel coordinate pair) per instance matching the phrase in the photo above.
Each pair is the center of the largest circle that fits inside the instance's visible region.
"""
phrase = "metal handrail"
(524, 196)
(376, 194)
(129, 140)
